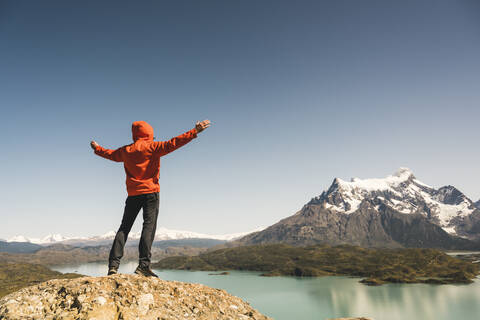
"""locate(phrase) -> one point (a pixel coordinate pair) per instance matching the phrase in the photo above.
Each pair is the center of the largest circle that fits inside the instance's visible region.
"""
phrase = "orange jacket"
(141, 159)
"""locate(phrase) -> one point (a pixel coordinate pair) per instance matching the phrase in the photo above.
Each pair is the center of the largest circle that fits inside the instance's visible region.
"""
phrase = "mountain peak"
(403, 172)
(402, 175)
(447, 206)
(395, 210)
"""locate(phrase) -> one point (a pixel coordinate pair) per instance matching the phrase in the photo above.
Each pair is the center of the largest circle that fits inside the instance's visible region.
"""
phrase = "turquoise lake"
(288, 298)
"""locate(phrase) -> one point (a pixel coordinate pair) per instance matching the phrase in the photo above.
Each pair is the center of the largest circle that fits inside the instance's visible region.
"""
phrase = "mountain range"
(396, 211)
(162, 234)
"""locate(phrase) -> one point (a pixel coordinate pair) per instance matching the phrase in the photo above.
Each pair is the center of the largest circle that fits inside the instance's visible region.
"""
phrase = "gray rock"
(123, 297)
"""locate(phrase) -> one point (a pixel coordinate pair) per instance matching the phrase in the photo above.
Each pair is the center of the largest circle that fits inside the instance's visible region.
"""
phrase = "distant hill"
(193, 242)
(397, 211)
(162, 234)
(19, 247)
(59, 253)
(377, 266)
(14, 276)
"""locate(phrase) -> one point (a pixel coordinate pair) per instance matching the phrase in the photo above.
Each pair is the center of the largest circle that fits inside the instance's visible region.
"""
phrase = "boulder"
(123, 297)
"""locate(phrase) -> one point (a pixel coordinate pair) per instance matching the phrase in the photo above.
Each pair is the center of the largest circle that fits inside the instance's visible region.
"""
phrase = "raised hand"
(93, 144)
(202, 125)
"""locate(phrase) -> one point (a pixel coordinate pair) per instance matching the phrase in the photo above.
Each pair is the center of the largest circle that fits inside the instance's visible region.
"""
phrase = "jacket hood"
(142, 131)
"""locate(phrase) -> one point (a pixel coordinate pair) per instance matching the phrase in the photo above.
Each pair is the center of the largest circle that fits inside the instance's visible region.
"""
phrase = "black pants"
(149, 202)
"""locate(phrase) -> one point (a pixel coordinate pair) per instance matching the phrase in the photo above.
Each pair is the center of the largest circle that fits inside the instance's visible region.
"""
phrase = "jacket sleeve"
(114, 155)
(165, 147)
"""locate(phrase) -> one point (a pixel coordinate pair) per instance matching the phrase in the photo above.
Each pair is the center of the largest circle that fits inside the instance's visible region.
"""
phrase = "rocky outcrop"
(123, 297)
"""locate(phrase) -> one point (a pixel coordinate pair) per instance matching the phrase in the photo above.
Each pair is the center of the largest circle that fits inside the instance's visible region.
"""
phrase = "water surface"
(287, 298)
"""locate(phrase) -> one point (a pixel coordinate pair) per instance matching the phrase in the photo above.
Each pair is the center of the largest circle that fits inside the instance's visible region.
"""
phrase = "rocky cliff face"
(395, 211)
(123, 297)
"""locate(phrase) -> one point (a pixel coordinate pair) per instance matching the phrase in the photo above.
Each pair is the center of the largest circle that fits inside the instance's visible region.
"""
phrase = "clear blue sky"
(299, 92)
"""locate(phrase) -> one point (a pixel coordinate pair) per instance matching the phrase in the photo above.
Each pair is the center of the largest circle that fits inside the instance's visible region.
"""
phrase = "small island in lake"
(224, 273)
(375, 265)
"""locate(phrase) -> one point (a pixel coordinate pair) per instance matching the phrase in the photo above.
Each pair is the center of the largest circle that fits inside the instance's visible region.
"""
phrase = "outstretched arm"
(114, 155)
(165, 147)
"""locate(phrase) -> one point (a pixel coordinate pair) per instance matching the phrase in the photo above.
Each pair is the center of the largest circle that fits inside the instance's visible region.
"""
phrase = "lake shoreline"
(304, 298)
(376, 266)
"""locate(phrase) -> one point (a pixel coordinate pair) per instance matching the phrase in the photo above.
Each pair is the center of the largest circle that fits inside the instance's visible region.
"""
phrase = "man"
(141, 161)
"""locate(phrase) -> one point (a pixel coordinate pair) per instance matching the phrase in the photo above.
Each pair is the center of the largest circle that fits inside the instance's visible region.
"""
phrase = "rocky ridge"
(124, 297)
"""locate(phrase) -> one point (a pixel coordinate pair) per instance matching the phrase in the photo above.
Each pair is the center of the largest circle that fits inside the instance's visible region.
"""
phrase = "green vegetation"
(14, 276)
(376, 266)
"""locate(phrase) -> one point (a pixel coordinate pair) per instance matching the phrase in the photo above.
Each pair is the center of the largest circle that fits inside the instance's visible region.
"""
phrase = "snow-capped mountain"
(447, 207)
(161, 234)
(398, 210)
(167, 234)
(49, 239)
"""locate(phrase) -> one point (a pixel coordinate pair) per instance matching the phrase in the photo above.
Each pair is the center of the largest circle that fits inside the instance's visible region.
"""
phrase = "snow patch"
(400, 191)
(450, 230)
(161, 234)
(401, 176)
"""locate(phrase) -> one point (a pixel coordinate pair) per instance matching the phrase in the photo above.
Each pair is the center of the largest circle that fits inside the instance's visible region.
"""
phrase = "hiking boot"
(147, 272)
(112, 271)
